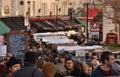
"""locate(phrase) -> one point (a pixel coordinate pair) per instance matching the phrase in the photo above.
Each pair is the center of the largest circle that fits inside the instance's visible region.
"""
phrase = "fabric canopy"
(79, 14)
(49, 25)
(92, 12)
(3, 28)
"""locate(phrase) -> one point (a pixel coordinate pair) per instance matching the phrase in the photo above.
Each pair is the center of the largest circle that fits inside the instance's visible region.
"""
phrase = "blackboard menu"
(17, 44)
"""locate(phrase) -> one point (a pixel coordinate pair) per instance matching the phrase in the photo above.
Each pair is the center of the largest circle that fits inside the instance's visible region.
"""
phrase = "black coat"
(78, 74)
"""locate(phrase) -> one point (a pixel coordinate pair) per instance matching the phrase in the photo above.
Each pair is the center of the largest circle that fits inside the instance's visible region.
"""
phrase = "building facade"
(38, 7)
(43, 8)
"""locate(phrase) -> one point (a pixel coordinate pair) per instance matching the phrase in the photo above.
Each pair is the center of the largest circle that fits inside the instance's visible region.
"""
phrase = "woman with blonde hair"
(94, 64)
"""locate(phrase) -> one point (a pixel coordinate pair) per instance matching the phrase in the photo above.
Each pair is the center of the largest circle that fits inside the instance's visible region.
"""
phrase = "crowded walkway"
(43, 60)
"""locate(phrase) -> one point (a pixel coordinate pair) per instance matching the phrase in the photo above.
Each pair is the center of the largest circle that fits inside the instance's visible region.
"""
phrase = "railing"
(112, 47)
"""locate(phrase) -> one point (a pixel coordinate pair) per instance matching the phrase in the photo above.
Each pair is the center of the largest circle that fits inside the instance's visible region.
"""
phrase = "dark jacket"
(98, 72)
(78, 74)
(27, 70)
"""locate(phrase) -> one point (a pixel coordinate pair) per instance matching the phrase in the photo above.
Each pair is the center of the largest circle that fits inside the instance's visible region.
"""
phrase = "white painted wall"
(108, 24)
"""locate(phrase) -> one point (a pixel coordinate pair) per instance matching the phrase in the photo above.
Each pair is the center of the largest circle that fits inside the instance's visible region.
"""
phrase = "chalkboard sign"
(17, 43)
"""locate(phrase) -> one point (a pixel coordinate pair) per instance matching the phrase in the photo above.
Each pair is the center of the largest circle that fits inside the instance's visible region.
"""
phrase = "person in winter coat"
(29, 69)
(105, 69)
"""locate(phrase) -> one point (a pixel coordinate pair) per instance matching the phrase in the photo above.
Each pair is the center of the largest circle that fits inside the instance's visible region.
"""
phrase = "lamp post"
(28, 26)
(57, 3)
(87, 7)
(70, 13)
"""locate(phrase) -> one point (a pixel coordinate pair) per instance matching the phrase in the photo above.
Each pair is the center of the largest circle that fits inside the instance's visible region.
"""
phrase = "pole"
(87, 35)
(70, 14)
(57, 2)
(28, 27)
(56, 16)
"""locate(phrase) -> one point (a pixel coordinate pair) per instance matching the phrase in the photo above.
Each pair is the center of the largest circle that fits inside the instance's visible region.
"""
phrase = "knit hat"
(12, 61)
(70, 55)
(49, 69)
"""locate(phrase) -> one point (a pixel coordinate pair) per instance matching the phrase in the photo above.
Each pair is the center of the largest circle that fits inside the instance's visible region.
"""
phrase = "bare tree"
(115, 6)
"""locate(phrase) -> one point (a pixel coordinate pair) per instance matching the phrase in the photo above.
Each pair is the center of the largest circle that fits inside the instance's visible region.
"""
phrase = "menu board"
(17, 43)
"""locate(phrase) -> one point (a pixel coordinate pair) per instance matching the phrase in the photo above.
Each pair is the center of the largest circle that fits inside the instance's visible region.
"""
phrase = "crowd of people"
(60, 65)
(42, 60)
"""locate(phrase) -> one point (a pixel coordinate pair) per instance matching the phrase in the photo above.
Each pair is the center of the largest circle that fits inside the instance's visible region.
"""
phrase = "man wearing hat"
(12, 65)
(29, 69)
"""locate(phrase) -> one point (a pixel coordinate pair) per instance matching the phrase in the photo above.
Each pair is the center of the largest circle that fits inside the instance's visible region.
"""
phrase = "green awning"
(80, 15)
(3, 28)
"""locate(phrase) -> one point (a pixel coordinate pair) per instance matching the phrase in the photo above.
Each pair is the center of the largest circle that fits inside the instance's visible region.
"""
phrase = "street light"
(87, 7)
(57, 3)
(70, 13)
(70, 10)
(28, 26)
